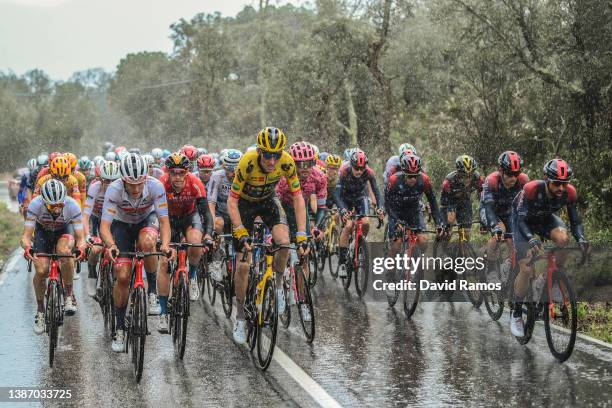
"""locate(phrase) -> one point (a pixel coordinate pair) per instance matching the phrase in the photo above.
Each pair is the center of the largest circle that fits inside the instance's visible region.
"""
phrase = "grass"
(595, 320)
(11, 227)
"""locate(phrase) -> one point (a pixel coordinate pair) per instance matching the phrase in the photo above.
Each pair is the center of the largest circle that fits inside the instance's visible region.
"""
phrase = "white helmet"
(98, 160)
(157, 153)
(110, 156)
(231, 158)
(407, 146)
(134, 168)
(32, 164)
(109, 170)
(149, 158)
(53, 192)
(123, 153)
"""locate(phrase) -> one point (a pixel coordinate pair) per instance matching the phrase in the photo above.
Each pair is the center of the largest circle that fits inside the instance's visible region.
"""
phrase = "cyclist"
(92, 211)
(499, 190)
(393, 164)
(192, 154)
(24, 193)
(190, 218)
(219, 187)
(155, 170)
(352, 196)
(53, 223)
(205, 164)
(59, 169)
(82, 180)
(534, 213)
(253, 194)
(134, 213)
(457, 187)
(85, 166)
(157, 154)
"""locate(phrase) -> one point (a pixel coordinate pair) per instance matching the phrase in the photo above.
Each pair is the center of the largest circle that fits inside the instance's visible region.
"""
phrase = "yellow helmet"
(60, 167)
(333, 160)
(271, 139)
(465, 164)
(72, 160)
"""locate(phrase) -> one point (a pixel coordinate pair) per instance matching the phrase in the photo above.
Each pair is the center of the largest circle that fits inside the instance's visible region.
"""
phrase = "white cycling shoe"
(516, 326)
(240, 331)
(118, 345)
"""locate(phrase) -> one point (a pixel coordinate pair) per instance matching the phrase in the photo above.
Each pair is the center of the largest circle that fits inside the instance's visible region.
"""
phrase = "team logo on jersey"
(249, 167)
(286, 167)
(295, 184)
(239, 177)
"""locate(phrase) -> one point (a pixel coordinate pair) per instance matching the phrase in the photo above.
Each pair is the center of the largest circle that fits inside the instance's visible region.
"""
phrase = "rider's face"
(177, 178)
(134, 190)
(557, 189)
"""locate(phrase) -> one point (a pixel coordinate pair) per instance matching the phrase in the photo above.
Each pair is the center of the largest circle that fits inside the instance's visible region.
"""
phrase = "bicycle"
(358, 256)
(552, 299)
(328, 247)
(226, 285)
(205, 281)
(411, 248)
(500, 273)
(260, 306)
(178, 298)
(104, 296)
(136, 327)
(54, 301)
(296, 290)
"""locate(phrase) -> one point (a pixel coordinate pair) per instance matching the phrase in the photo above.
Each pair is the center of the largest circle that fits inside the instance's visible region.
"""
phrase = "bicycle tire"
(363, 268)
(410, 304)
(566, 289)
(138, 330)
(471, 275)
(494, 303)
(333, 252)
(346, 282)
(181, 317)
(227, 290)
(312, 264)
(285, 317)
(52, 318)
(268, 318)
(306, 299)
(202, 271)
(321, 255)
(210, 290)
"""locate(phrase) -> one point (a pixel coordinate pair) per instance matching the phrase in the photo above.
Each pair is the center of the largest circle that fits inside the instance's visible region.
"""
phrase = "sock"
(68, 290)
(41, 306)
(92, 270)
(239, 309)
(193, 270)
(120, 312)
(518, 307)
(163, 304)
(152, 281)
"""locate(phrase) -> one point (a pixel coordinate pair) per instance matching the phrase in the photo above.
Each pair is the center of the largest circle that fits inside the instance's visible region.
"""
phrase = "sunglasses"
(271, 155)
(412, 176)
(51, 207)
(558, 183)
(305, 165)
(359, 168)
(179, 173)
(512, 173)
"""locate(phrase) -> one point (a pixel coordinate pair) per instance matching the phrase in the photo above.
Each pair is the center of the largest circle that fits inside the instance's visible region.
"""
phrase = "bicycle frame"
(262, 284)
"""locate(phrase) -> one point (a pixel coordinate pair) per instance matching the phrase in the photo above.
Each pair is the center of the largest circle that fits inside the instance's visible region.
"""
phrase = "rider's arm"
(573, 215)
(489, 201)
(93, 191)
(431, 197)
(212, 193)
(30, 223)
(300, 212)
(374, 186)
(391, 196)
(445, 200)
(522, 211)
(76, 219)
(205, 214)
(109, 211)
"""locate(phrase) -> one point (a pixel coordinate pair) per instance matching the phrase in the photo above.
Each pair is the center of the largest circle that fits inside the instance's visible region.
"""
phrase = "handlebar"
(553, 248)
(141, 255)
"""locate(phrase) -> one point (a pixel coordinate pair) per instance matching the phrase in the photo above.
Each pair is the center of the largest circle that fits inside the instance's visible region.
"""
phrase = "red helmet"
(302, 151)
(410, 163)
(190, 151)
(558, 170)
(119, 149)
(510, 161)
(359, 158)
(53, 156)
(206, 161)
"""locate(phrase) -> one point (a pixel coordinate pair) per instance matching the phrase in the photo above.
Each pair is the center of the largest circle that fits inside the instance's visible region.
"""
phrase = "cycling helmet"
(109, 170)
(178, 161)
(359, 158)
(348, 152)
(558, 170)
(122, 154)
(120, 149)
(42, 160)
(54, 155)
(316, 151)
(134, 150)
(465, 164)
(271, 139)
(110, 156)
(166, 153)
(53, 192)
(251, 148)
(231, 159)
(60, 167)
(149, 158)
(72, 160)
(302, 151)
(108, 146)
(133, 168)
(85, 164)
(98, 160)
(206, 161)
(410, 163)
(157, 153)
(333, 160)
(323, 156)
(32, 164)
(84, 158)
(510, 161)
(201, 151)
(190, 151)
(407, 146)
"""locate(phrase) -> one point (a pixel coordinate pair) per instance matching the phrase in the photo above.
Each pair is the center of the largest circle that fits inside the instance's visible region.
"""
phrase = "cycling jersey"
(402, 199)
(82, 181)
(219, 187)
(95, 199)
(119, 206)
(455, 192)
(183, 203)
(497, 198)
(534, 207)
(251, 183)
(71, 183)
(38, 214)
(157, 172)
(316, 184)
(350, 189)
(392, 167)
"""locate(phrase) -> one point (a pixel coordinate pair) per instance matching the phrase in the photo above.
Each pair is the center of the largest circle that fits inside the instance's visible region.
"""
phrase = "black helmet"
(558, 170)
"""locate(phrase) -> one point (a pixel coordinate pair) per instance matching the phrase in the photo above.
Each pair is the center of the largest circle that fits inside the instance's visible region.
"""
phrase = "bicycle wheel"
(227, 289)
(312, 264)
(267, 323)
(210, 289)
(181, 316)
(561, 311)
(321, 255)
(202, 274)
(332, 250)
(472, 276)
(493, 300)
(442, 250)
(362, 268)
(138, 329)
(346, 282)
(52, 310)
(411, 297)
(285, 317)
(304, 299)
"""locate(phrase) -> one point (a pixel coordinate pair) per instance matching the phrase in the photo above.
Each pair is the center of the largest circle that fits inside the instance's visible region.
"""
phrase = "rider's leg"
(64, 246)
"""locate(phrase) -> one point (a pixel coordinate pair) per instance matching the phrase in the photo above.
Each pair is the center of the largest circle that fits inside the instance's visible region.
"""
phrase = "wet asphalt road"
(364, 354)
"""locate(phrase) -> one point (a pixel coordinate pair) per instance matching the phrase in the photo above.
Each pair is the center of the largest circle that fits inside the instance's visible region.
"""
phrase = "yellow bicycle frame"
(330, 228)
(261, 286)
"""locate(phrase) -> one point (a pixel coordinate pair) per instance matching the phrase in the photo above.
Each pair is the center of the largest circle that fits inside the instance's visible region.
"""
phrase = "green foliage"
(10, 225)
